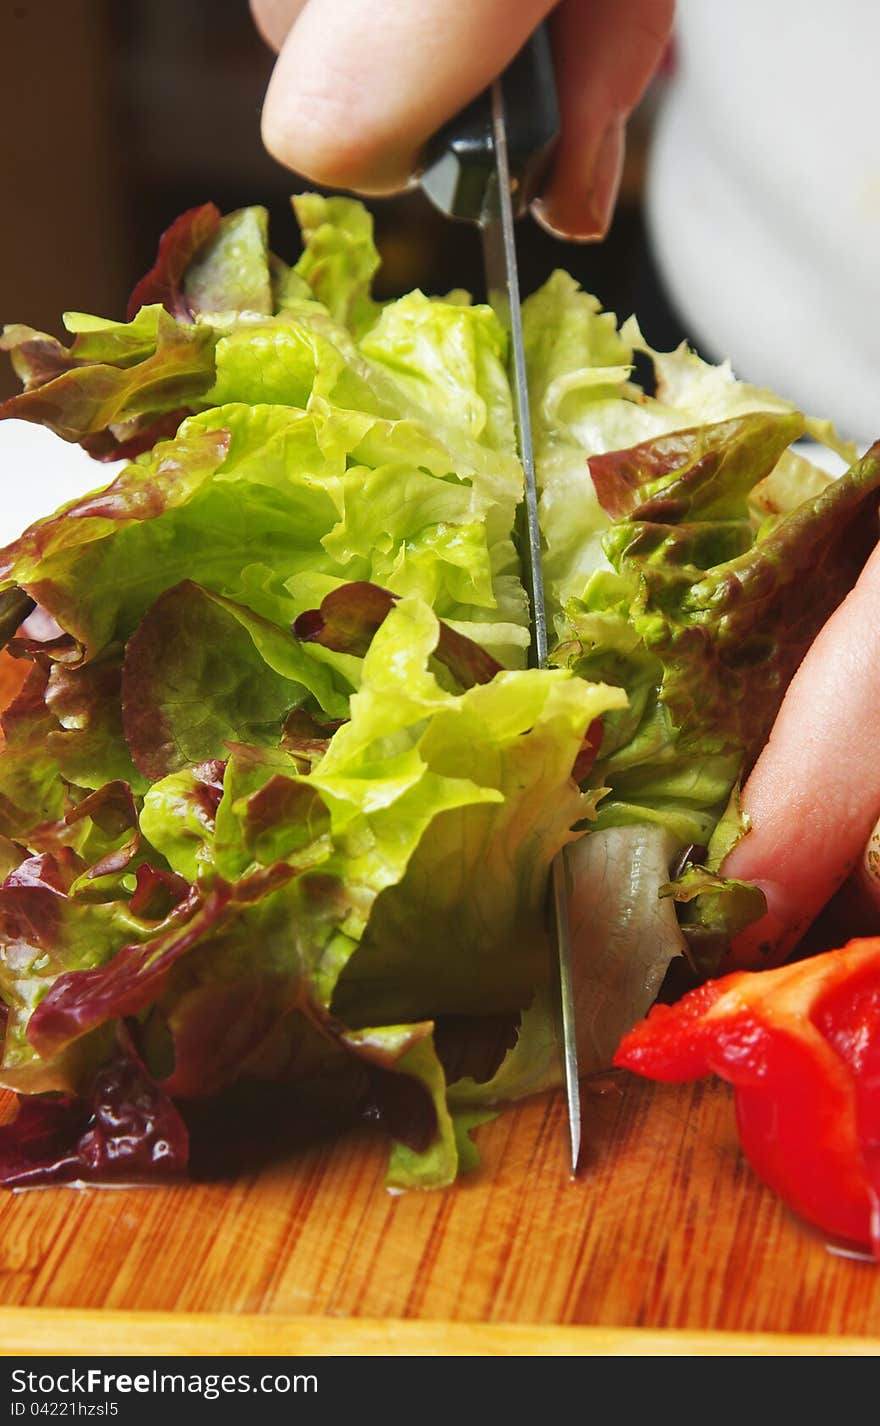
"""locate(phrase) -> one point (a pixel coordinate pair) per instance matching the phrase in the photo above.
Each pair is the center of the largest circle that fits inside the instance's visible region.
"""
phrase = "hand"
(814, 794)
(359, 86)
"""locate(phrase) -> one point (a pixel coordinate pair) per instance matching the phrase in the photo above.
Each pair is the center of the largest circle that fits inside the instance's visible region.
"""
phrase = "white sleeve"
(764, 197)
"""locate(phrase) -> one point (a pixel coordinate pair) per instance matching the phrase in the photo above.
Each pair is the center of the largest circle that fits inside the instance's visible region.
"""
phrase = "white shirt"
(764, 197)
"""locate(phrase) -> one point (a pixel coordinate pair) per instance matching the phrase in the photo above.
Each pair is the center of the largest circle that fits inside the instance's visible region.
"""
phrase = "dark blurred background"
(116, 117)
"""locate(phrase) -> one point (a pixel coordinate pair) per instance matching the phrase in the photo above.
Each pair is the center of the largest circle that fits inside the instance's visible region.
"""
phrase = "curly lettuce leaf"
(115, 383)
(254, 503)
(416, 483)
(31, 790)
(731, 630)
(685, 382)
(700, 621)
(584, 404)
(265, 854)
(513, 743)
(339, 258)
(448, 362)
(46, 935)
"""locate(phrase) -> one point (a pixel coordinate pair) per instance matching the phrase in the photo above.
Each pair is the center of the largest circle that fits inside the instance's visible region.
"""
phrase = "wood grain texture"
(666, 1230)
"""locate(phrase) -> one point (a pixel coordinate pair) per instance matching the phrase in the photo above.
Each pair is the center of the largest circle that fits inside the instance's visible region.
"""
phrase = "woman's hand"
(814, 794)
(359, 86)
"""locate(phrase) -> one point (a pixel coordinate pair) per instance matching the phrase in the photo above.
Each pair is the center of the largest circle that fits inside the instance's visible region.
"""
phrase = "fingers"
(605, 52)
(273, 19)
(814, 792)
(359, 87)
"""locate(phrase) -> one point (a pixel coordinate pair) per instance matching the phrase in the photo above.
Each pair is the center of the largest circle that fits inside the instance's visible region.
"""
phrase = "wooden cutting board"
(665, 1236)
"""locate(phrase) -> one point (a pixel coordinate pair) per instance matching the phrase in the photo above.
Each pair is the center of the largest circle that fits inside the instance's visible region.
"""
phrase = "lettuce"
(701, 619)
(304, 893)
(584, 404)
(278, 797)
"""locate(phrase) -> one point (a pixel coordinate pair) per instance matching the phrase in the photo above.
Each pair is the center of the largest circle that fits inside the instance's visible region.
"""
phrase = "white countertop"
(39, 472)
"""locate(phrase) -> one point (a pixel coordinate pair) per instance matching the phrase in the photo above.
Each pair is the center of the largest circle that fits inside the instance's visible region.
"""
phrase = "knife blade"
(471, 176)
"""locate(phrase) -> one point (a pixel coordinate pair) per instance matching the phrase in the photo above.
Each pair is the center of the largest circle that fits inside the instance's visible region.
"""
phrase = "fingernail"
(581, 212)
(604, 180)
(540, 211)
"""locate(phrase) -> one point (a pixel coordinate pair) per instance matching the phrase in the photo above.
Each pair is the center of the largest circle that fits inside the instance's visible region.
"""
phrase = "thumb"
(358, 88)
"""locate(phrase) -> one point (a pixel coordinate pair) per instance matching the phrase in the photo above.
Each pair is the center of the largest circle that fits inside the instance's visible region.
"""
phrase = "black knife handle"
(459, 162)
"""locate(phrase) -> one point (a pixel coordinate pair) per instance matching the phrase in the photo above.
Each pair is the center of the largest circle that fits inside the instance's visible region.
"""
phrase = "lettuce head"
(278, 793)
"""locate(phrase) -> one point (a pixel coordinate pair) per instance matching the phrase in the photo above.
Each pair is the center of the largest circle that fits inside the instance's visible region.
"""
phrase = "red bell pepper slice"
(801, 1046)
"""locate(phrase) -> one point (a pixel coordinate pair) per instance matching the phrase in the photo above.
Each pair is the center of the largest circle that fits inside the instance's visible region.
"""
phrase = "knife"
(484, 166)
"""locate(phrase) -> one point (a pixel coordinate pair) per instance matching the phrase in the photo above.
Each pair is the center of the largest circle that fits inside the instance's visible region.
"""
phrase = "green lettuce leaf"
(230, 271)
(713, 909)
(623, 936)
(339, 258)
(447, 360)
(436, 1164)
(500, 755)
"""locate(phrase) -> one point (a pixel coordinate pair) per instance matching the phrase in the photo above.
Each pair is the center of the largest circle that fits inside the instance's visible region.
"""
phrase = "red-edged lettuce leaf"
(178, 818)
(269, 813)
(178, 245)
(62, 737)
(707, 470)
(206, 263)
(271, 891)
(46, 934)
(74, 569)
(38, 358)
(703, 621)
(350, 615)
(57, 870)
(132, 438)
(731, 628)
(157, 892)
(230, 272)
(105, 824)
(15, 606)
(88, 743)
(138, 974)
(307, 737)
(201, 671)
(223, 993)
(31, 790)
(124, 1130)
(113, 384)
